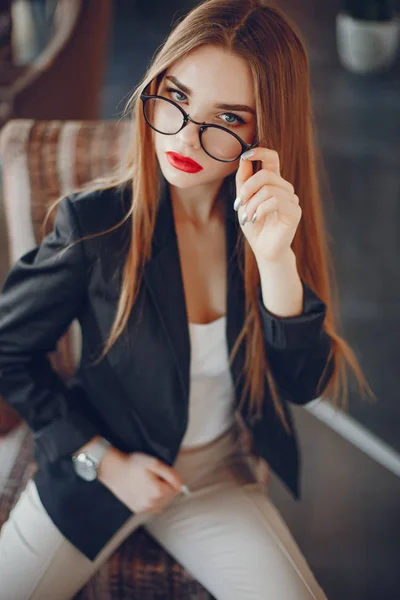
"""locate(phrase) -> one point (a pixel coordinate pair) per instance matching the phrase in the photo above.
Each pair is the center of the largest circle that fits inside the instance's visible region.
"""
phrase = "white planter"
(366, 46)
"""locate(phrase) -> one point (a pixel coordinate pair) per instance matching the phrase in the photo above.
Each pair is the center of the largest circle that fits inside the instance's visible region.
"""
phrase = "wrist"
(286, 261)
(281, 286)
(107, 465)
(87, 461)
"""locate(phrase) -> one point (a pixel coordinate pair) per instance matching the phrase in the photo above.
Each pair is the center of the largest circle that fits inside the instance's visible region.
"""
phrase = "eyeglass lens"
(168, 119)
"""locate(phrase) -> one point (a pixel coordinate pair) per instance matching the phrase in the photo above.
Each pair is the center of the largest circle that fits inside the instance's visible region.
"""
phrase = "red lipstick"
(183, 163)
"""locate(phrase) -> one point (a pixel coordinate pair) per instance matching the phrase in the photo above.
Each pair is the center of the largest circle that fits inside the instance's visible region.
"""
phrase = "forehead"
(215, 75)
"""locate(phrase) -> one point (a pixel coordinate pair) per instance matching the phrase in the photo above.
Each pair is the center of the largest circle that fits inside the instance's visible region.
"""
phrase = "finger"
(247, 210)
(280, 204)
(166, 473)
(164, 491)
(165, 494)
(269, 158)
(261, 179)
(245, 170)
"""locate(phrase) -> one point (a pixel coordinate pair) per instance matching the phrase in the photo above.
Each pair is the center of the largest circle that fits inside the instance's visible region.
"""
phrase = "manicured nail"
(254, 218)
(244, 218)
(185, 490)
(247, 154)
(237, 203)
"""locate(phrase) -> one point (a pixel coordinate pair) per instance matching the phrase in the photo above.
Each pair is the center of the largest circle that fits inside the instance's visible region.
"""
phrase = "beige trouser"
(227, 533)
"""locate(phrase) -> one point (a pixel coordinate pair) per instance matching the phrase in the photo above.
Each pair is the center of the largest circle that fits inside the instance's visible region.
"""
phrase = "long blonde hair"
(276, 55)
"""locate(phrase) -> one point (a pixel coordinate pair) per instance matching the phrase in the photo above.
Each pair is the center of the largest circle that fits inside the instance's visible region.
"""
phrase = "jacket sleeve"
(298, 348)
(41, 295)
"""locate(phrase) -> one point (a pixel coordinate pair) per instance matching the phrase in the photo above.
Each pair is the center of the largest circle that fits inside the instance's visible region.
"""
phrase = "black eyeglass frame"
(203, 127)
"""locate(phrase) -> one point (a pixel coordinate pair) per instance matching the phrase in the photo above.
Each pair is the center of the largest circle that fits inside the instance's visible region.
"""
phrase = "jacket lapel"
(163, 278)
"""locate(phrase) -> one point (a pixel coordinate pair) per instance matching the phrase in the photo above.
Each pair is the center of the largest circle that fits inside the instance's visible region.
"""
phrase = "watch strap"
(97, 449)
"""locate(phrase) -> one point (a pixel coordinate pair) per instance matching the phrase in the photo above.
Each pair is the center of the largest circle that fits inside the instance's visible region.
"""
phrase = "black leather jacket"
(137, 397)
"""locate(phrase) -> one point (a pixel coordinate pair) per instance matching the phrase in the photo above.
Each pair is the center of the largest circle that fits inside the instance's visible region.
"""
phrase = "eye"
(174, 91)
(232, 119)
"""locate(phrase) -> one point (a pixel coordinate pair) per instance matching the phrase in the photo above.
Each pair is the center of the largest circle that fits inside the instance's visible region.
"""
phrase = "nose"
(189, 135)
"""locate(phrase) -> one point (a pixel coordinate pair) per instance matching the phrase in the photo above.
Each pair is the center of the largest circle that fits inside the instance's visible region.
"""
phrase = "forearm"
(281, 287)
(293, 318)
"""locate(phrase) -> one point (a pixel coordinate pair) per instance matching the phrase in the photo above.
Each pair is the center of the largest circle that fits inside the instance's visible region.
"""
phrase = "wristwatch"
(86, 463)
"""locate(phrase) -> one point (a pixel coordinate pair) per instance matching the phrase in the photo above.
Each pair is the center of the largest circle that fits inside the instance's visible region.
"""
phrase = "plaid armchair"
(42, 160)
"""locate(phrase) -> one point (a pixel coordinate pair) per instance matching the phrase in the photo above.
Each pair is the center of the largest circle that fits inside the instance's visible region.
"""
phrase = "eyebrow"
(224, 106)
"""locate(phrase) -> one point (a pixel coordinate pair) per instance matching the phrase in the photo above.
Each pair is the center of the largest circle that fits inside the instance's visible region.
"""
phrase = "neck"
(197, 206)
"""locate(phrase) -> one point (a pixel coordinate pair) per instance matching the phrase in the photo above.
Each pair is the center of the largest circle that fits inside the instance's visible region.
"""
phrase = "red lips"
(183, 163)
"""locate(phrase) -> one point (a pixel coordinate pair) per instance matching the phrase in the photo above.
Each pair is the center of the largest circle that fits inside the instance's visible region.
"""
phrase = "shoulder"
(100, 209)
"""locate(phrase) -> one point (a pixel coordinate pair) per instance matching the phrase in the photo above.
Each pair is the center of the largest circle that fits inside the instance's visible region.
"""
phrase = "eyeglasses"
(166, 117)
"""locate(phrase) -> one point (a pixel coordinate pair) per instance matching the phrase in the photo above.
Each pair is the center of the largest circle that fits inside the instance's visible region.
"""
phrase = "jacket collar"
(163, 278)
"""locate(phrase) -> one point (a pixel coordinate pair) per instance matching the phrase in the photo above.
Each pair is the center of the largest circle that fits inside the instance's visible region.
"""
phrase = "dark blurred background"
(348, 522)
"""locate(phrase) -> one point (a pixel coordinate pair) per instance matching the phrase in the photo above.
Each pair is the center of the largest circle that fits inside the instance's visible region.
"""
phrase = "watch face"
(85, 467)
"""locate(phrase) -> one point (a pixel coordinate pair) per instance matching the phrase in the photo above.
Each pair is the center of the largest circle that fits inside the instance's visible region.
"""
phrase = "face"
(200, 83)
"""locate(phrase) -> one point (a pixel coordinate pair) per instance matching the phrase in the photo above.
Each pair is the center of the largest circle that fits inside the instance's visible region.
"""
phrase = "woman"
(199, 277)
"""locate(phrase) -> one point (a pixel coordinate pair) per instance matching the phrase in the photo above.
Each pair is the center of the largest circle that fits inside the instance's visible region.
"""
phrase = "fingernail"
(247, 154)
(237, 203)
(253, 220)
(244, 218)
(185, 490)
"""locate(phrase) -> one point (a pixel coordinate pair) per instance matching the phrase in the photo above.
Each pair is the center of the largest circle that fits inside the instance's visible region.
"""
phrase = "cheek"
(215, 170)
(228, 168)
(158, 140)
(212, 169)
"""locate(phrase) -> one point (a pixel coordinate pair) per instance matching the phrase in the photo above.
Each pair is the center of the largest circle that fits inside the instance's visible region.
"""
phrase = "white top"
(211, 399)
